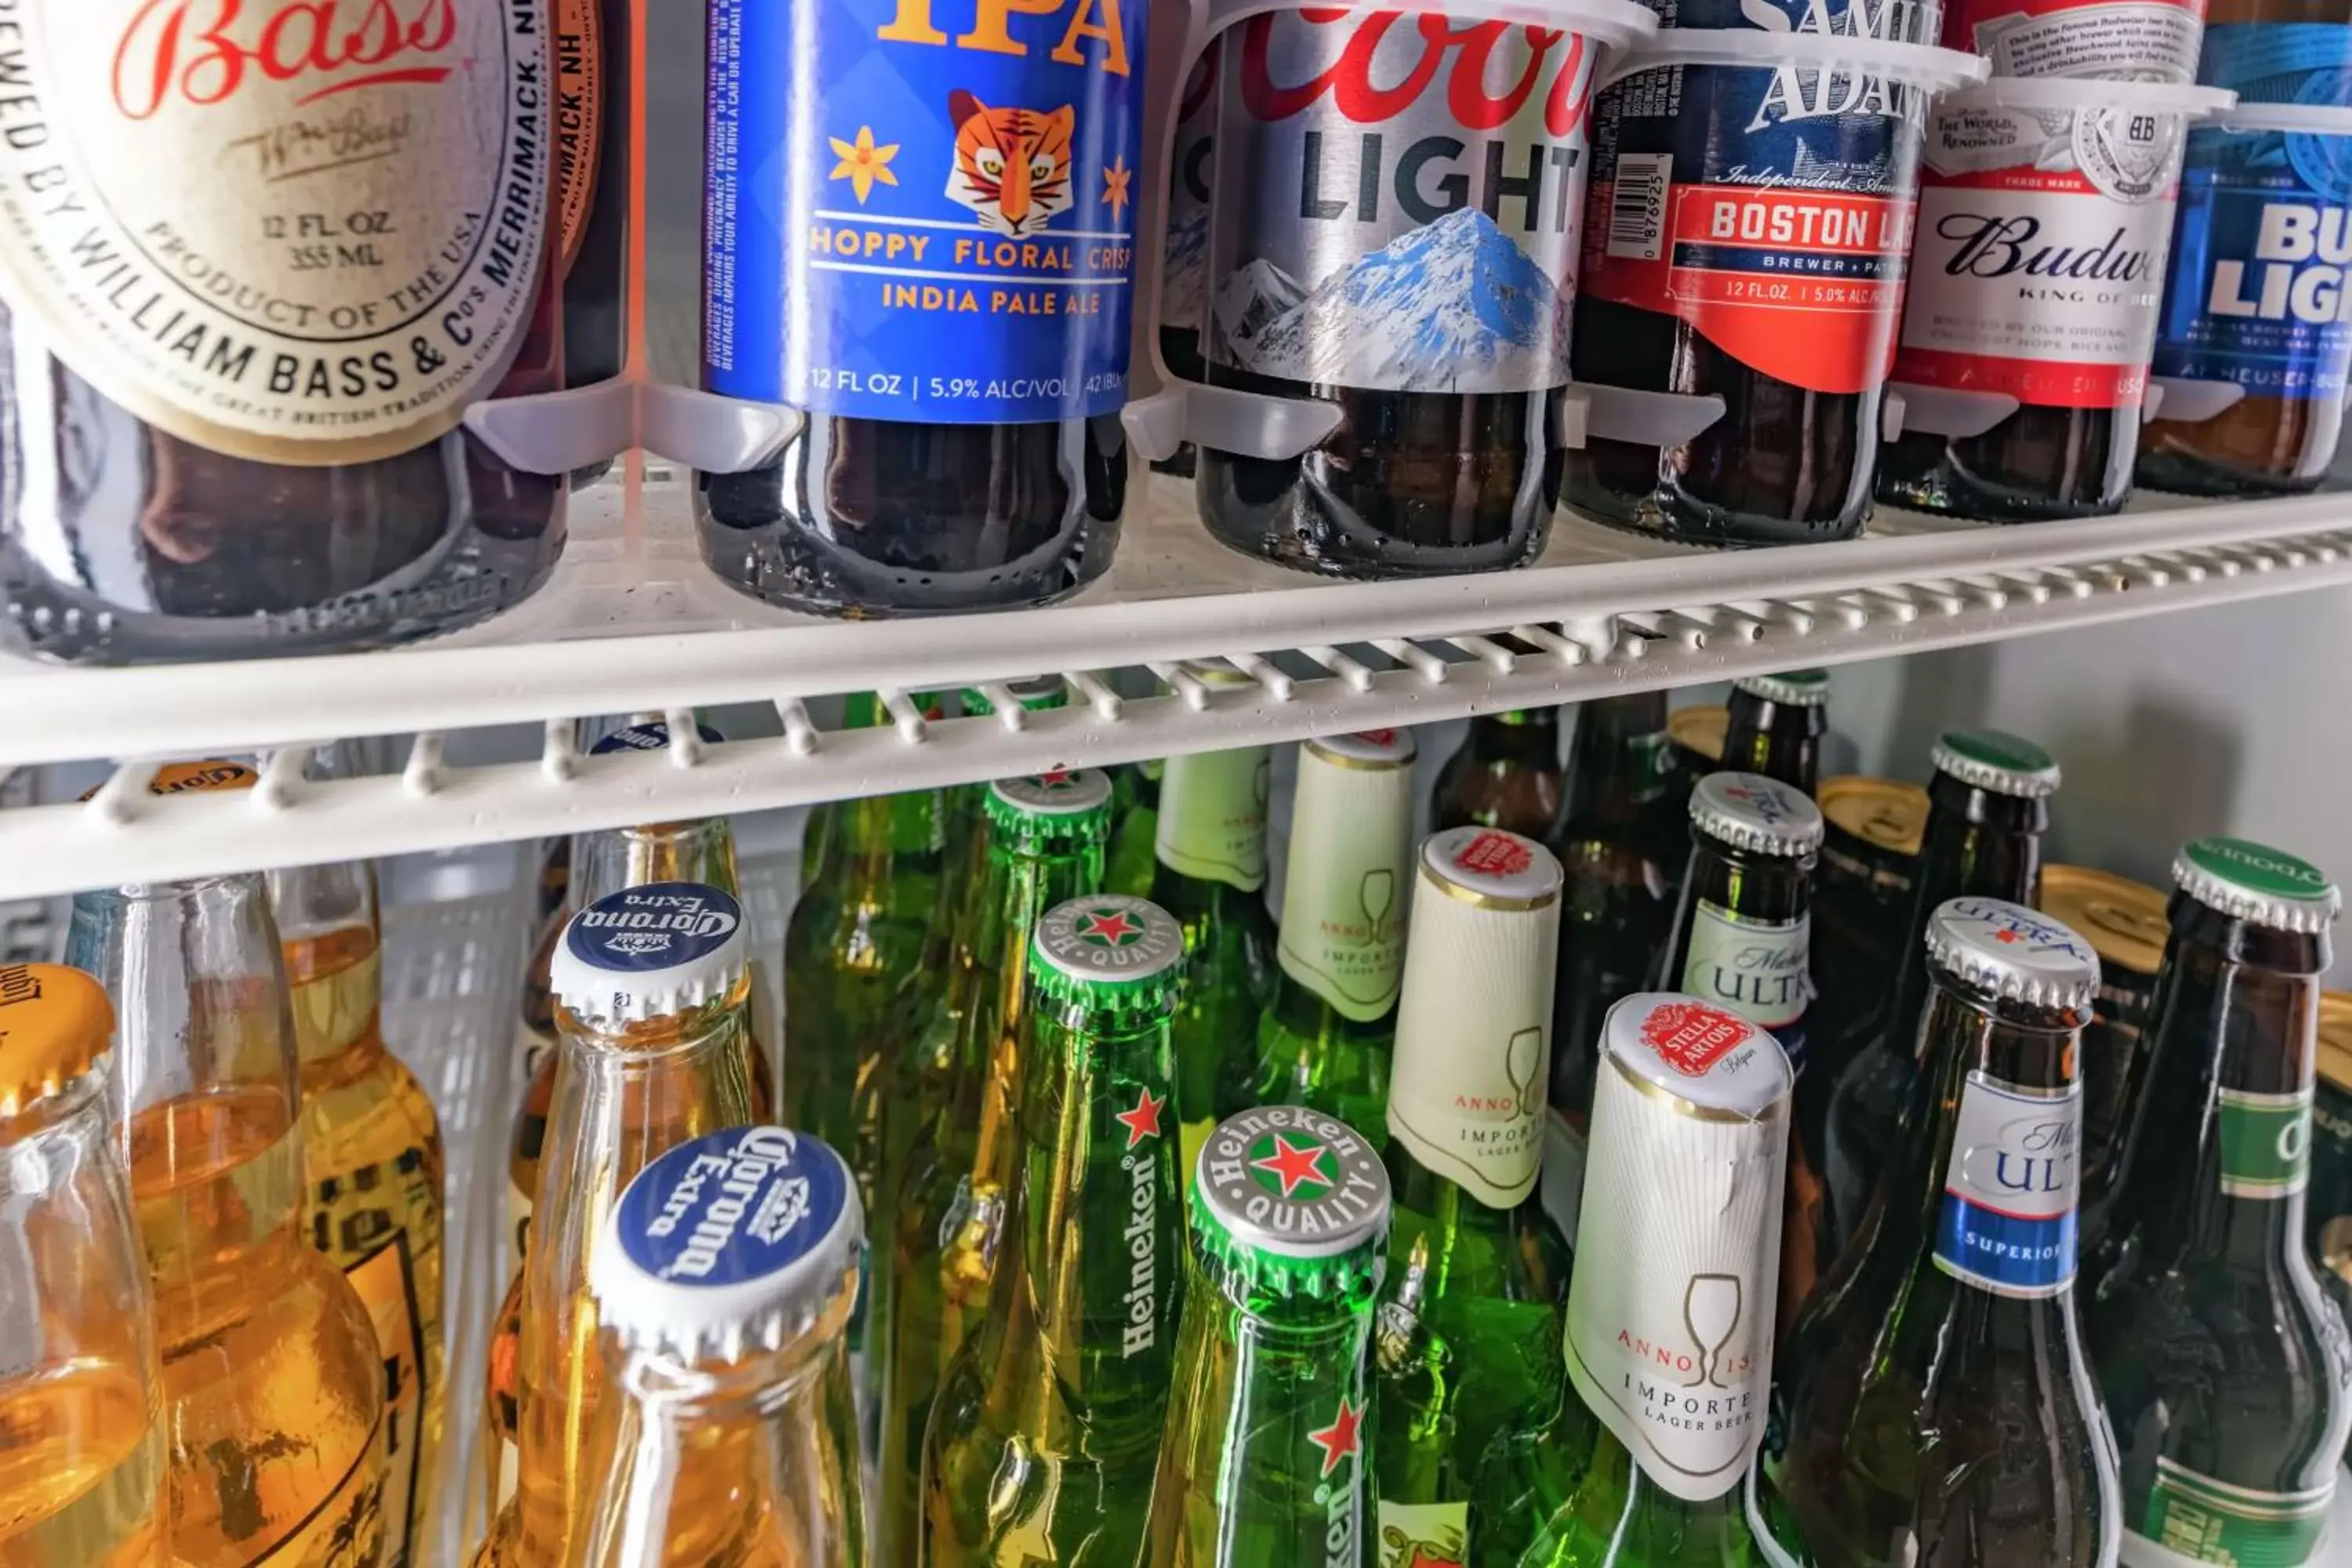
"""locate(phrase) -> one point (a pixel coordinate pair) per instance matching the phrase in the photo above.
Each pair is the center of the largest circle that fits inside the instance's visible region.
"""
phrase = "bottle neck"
(1780, 739)
(1342, 941)
(1520, 736)
(876, 838)
(1211, 832)
(697, 851)
(1015, 890)
(1977, 844)
(1617, 764)
(1743, 935)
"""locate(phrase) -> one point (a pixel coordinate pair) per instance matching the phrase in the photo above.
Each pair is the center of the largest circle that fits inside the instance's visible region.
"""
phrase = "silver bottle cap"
(1765, 816)
(650, 951)
(1107, 944)
(2014, 953)
(1998, 761)
(1792, 687)
(1065, 792)
(2255, 882)
(1290, 1181)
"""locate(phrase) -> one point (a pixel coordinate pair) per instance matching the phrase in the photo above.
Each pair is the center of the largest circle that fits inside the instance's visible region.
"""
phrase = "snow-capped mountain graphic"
(1453, 306)
(1186, 276)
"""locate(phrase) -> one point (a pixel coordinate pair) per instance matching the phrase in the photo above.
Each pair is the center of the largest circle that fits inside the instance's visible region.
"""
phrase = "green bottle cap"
(1291, 1201)
(1038, 812)
(2255, 882)
(1035, 694)
(1792, 687)
(1997, 760)
(1108, 952)
(2013, 954)
(1749, 811)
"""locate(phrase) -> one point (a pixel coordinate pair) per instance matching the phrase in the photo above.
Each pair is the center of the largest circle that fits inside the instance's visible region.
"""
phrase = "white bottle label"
(287, 231)
(2007, 1223)
(1343, 901)
(2034, 38)
(1213, 815)
(1756, 968)
(1422, 1534)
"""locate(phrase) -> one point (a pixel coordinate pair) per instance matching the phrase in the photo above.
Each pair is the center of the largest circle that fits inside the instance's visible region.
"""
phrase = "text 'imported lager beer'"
(1938, 1406)
(1043, 1436)
(2227, 1373)
(1263, 1461)
(1469, 1314)
(1649, 1461)
(82, 1402)
(724, 1281)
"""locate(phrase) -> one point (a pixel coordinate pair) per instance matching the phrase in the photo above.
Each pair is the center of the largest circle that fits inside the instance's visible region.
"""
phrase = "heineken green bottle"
(859, 711)
(2226, 1371)
(951, 1121)
(1326, 1038)
(1466, 1341)
(1135, 831)
(967, 804)
(1262, 1465)
(1650, 1457)
(1041, 1444)
(1212, 876)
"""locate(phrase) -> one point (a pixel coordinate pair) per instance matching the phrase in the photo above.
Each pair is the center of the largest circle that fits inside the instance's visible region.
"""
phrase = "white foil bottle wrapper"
(1349, 870)
(1213, 815)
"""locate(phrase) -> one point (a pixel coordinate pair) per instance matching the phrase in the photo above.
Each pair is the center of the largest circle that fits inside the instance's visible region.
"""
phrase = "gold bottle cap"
(2336, 1038)
(1884, 812)
(53, 1022)
(2124, 920)
(1700, 729)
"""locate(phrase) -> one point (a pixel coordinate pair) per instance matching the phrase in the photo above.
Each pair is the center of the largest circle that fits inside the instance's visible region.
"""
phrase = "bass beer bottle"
(1936, 1402)
(1774, 725)
(724, 1281)
(1465, 1336)
(1043, 1440)
(81, 1398)
(1507, 773)
(1326, 1038)
(2227, 1373)
(1262, 1463)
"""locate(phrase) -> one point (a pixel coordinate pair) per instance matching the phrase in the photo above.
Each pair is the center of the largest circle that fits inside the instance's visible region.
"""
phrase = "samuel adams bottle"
(257, 262)
(1390, 233)
(919, 237)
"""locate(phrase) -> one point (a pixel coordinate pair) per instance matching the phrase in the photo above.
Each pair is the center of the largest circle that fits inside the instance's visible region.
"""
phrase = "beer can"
(2125, 924)
(1695, 736)
(2329, 1211)
(2147, 40)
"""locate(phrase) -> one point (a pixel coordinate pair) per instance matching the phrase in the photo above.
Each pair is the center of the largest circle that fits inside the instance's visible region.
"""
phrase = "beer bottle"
(967, 812)
(1212, 876)
(2227, 1373)
(1445, 458)
(1506, 775)
(1939, 1406)
(1649, 1458)
(2125, 923)
(372, 1167)
(80, 1398)
(1134, 827)
(1262, 1465)
(952, 1121)
(724, 1281)
(1861, 898)
(1743, 941)
(1989, 807)
(1469, 1314)
(1620, 857)
(2329, 1226)
(866, 710)
(1183, 278)
(1043, 1440)
(1326, 1038)
(651, 991)
(272, 1381)
(1775, 727)
(591, 70)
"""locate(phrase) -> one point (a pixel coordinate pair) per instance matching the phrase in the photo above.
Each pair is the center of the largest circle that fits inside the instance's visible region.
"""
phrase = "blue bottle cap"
(649, 736)
(650, 951)
(730, 1244)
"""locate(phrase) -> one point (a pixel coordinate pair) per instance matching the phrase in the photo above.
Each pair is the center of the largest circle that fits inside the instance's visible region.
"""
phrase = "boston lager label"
(2008, 1218)
(1406, 197)
(2142, 39)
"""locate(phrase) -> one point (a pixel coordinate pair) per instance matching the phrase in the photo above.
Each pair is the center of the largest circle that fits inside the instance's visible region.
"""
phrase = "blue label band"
(648, 737)
(733, 1205)
(923, 209)
(660, 925)
(2008, 1220)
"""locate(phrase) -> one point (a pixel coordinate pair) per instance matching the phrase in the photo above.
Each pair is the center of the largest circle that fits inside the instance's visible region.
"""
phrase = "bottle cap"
(1794, 687)
(1997, 760)
(650, 951)
(217, 774)
(1291, 1199)
(1108, 951)
(1366, 749)
(730, 1244)
(1035, 694)
(1490, 867)
(2123, 921)
(1884, 812)
(54, 1023)
(652, 735)
(1041, 810)
(1705, 1061)
(2256, 883)
(2336, 1038)
(1749, 811)
(2014, 953)
(1700, 729)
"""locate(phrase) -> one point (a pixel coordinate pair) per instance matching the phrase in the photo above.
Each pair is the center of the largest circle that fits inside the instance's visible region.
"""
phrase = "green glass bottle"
(1934, 1403)
(1136, 831)
(1466, 1339)
(1650, 1457)
(1263, 1464)
(1507, 773)
(956, 1104)
(1042, 1443)
(968, 803)
(1211, 876)
(2227, 1373)
(1326, 1038)
(859, 711)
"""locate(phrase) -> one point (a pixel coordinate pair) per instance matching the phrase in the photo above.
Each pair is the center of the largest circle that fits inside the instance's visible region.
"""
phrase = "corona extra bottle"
(1264, 1462)
(1046, 1428)
(81, 1404)
(724, 1280)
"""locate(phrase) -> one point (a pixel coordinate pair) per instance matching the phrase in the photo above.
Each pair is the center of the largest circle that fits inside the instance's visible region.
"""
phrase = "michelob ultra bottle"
(650, 985)
(1467, 1333)
(274, 1386)
(2227, 1372)
(1327, 1037)
(1262, 1463)
(724, 1280)
(1938, 1403)
(81, 1401)
(1042, 1442)
(1507, 773)
(1650, 1460)
(1774, 726)
(954, 1120)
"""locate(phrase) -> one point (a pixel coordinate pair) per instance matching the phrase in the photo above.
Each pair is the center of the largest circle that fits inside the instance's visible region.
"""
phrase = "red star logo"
(1054, 778)
(1143, 1121)
(1296, 1166)
(1338, 1440)
(2007, 936)
(1112, 927)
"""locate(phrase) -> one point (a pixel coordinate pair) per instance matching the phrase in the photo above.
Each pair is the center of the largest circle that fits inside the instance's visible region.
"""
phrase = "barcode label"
(1637, 206)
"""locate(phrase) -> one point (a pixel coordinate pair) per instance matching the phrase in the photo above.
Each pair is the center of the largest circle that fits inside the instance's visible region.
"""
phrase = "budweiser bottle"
(257, 264)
